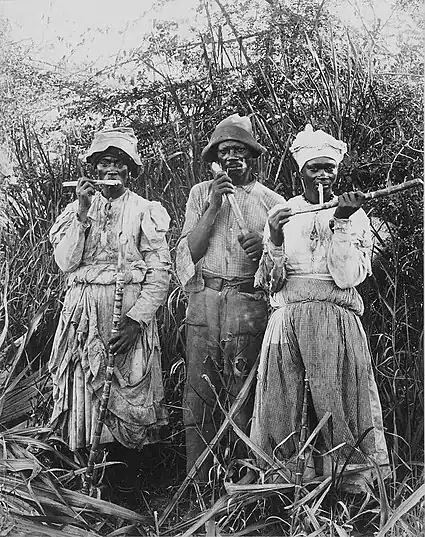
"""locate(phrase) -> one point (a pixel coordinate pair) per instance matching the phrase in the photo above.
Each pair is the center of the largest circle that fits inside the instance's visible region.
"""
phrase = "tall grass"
(320, 82)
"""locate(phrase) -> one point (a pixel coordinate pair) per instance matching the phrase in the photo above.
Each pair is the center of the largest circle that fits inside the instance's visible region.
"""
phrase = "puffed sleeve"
(349, 254)
(154, 248)
(271, 272)
(189, 274)
(67, 236)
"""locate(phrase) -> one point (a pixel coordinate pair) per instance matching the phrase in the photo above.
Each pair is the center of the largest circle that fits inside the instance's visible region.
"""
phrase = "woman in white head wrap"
(312, 263)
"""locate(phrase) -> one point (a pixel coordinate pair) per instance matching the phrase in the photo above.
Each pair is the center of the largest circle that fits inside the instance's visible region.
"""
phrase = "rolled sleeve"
(189, 274)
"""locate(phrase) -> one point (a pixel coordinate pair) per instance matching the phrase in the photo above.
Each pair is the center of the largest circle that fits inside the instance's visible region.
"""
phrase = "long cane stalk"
(395, 189)
(116, 316)
(301, 460)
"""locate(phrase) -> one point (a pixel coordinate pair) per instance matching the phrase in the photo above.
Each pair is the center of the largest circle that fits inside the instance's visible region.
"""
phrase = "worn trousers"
(224, 332)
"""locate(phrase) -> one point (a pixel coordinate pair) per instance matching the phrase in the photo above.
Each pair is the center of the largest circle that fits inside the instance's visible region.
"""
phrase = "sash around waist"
(308, 290)
(311, 276)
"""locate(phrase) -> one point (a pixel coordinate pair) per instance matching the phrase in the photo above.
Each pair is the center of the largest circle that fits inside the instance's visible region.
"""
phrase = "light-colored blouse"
(312, 250)
(88, 252)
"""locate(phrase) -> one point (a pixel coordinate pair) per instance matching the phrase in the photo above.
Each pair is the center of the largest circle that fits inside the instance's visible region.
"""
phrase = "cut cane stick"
(301, 461)
(216, 168)
(116, 316)
(101, 182)
(320, 189)
(389, 191)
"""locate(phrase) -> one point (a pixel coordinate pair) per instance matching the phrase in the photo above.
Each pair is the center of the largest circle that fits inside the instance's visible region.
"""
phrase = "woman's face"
(319, 170)
(114, 168)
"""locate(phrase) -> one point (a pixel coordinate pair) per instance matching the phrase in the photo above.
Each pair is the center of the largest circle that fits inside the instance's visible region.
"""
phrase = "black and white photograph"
(211, 268)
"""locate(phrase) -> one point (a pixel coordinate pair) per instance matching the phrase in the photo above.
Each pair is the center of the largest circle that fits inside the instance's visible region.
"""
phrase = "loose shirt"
(225, 258)
(87, 252)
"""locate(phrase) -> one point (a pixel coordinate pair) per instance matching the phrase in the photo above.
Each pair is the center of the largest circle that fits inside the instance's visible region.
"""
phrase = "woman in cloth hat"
(215, 263)
(312, 263)
(85, 241)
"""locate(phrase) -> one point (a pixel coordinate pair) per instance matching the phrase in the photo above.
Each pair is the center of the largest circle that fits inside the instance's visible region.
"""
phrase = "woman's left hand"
(348, 204)
(128, 330)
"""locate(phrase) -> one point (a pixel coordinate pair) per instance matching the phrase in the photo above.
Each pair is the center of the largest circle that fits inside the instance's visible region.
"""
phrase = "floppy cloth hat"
(309, 144)
(120, 137)
(234, 127)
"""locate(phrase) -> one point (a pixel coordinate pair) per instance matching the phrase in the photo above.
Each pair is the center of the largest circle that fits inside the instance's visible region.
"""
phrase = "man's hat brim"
(234, 133)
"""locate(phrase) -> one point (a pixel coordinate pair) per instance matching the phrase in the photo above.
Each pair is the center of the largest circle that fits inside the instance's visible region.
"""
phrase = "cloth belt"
(218, 283)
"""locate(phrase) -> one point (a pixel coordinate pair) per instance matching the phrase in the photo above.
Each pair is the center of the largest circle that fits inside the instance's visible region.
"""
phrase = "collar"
(112, 200)
(248, 187)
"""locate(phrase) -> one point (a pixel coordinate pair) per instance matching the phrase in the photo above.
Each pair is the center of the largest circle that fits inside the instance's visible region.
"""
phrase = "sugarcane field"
(211, 268)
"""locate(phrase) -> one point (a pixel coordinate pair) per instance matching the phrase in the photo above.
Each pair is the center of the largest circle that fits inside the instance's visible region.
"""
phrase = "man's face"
(319, 170)
(235, 159)
(114, 168)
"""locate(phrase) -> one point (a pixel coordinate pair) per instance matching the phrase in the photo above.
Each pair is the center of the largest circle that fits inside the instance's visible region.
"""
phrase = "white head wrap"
(309, 144)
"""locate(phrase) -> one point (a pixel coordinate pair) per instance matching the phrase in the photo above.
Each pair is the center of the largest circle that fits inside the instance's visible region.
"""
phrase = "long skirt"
(78, 365)
(317, 333)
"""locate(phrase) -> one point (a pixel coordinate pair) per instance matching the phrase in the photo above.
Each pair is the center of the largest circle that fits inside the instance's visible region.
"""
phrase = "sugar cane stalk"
(116, 316)
(99, 182)
(301, 460)
(395, 189)
(215, 167)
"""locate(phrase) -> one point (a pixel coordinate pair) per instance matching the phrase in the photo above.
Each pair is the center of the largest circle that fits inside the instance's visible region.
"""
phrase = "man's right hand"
(84, 190)
(222, 184)
(276, 222)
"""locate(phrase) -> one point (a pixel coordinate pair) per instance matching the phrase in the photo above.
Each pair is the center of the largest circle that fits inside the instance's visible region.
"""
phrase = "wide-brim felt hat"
(120, 137)
(236, 128)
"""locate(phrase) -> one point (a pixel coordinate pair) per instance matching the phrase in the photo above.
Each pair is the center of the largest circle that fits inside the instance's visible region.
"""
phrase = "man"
(86, 239)
(226, 316)
(312, 264)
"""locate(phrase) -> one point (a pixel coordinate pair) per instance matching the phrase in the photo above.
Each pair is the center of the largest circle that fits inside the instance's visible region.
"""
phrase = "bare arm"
(198, 238)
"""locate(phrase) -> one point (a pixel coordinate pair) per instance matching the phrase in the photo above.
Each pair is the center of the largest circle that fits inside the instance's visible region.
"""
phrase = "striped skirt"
(317, 332)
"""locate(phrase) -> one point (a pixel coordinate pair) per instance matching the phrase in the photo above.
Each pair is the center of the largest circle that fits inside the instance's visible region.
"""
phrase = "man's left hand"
(349, 203)
(128, 330)
(252, 243)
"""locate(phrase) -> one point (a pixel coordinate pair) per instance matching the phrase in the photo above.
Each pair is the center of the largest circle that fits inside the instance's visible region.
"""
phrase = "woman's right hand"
(276, 222)
(84, 190)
